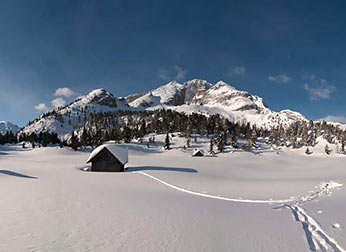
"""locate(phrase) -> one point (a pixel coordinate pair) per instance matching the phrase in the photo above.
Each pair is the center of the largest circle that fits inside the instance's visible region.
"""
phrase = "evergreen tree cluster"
(128, 125)
(42, 139)
(97, 128)
(8, 137)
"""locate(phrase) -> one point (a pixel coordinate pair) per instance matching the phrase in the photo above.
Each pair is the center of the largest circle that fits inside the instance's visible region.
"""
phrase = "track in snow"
(215, 196)
(317, 239)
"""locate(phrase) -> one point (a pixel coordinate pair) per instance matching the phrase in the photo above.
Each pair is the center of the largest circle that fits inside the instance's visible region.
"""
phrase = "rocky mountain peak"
(102, 97)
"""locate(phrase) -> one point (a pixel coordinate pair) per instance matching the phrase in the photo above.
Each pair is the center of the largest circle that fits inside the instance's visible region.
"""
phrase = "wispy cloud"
(180, 73)
(281, 78)
(176, 73)
(164, 74)
(337, 119)
(65, 92)
(58, 102)
(237, 70)
(42, 107)
(318, 89)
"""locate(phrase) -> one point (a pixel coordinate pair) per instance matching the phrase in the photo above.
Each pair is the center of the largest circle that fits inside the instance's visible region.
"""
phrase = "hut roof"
(197, 151)
(120, 153)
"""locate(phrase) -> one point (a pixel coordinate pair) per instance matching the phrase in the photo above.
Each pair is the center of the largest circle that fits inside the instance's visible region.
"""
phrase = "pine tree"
(45, 139)
(305, 135)
(327, 150)
(248, 145)
(188, 142)
(127, 134)
(211, 146)
(74, 142)
(143, 129)
(220, 143)
(234, 138)
(85, 138)
(167, 142)
(307, 151)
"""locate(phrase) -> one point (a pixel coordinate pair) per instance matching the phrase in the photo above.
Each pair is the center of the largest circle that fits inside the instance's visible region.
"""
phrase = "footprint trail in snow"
(318, 240)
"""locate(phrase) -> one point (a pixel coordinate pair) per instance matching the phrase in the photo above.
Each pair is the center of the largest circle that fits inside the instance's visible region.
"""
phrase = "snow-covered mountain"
(7, 126)
(173, 93)
(196, 95)
(64, 120)
(221, 98)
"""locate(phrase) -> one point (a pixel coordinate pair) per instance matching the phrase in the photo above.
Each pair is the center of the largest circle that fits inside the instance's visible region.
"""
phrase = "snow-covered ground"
(280, 200)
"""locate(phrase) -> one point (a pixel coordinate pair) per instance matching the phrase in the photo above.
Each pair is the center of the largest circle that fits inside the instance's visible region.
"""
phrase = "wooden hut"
(108, 158)
(198, 153)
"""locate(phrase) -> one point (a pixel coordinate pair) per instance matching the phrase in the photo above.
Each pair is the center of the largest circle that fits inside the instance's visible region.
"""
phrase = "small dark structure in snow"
(108, 158)
(197, 153)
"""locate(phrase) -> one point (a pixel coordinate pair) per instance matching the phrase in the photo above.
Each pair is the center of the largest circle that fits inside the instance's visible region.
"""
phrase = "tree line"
(128, 125)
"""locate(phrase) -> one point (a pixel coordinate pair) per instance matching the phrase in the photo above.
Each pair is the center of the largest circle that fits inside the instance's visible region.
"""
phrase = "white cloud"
(61, 94)
(319, 89)
(281, 78)
(237, 70)
(181, 73)
(58, 102)
(337, 119)
(163, 74)
(42, 107)
(66, 92)
(175, 73)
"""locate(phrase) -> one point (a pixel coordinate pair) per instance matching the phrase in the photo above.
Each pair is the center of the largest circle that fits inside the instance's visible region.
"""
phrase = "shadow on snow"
(16, 174)
(160, 168)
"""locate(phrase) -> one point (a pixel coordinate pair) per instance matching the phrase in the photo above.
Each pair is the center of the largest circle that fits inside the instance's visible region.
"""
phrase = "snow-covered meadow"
(276, 200)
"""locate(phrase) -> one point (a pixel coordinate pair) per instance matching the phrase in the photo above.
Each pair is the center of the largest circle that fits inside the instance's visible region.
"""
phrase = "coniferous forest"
(125, 126)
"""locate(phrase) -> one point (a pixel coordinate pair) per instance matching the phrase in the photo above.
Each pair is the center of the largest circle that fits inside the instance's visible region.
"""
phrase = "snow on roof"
(120, 153)
(196, 151)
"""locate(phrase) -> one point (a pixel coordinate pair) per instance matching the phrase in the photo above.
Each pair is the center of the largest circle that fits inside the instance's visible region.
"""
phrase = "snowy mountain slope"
(66, 119)
(194, 96)
(7, 126)
(203, 97)
(173, 94)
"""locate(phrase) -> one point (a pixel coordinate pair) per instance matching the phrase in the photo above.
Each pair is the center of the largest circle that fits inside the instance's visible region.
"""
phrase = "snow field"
(170, 201)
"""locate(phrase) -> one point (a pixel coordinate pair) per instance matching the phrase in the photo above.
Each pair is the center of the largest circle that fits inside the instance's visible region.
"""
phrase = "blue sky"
(291, 53)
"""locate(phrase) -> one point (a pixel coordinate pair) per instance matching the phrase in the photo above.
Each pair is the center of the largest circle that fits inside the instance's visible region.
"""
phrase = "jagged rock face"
(292, 115)
(134, 97)
(102, 97)
(200, 96)
(198, 92)
(195, 88)
(222, 94)
(169, 94)
(173, 93)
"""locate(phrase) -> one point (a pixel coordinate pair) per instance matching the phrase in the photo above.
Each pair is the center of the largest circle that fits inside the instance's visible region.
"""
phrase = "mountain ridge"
(193, 96)
(8, 126)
